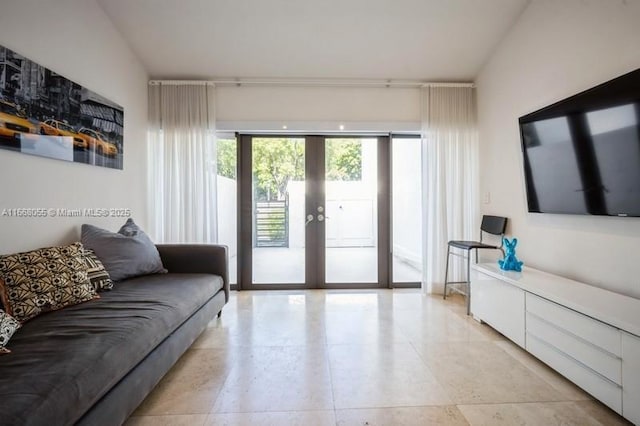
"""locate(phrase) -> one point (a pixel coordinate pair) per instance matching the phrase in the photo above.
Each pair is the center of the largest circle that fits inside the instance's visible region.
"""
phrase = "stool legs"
(469, 282)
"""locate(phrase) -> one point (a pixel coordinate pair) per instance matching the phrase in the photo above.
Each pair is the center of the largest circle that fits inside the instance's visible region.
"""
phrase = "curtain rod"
(327, 82)
(181, 82)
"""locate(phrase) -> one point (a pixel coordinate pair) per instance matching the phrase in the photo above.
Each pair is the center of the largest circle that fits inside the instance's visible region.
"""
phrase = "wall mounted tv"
(582, 154)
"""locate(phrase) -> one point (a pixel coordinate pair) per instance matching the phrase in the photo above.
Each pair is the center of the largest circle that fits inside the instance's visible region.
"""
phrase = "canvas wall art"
(43, 113)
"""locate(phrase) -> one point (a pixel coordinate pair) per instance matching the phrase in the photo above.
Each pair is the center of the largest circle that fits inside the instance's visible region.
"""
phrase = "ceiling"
(433, 40)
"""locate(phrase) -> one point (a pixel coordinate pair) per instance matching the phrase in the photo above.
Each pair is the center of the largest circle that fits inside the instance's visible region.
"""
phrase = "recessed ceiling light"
(342, 127)
(284, 127)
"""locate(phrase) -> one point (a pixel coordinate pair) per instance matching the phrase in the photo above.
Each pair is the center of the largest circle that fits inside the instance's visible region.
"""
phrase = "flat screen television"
(582, 154)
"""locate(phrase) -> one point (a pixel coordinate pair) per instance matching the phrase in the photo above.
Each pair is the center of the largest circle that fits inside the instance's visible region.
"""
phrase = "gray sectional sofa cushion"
(65, 363)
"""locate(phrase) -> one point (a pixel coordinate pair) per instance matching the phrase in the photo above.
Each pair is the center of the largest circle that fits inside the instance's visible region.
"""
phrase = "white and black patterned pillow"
(8, 326)
(44, 280)
(98, 276)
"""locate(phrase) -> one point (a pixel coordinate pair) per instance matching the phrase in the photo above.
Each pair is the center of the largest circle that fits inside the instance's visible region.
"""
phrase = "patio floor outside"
(344, 265)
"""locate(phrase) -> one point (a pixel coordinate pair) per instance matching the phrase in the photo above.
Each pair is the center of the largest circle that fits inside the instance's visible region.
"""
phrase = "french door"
(314, 212)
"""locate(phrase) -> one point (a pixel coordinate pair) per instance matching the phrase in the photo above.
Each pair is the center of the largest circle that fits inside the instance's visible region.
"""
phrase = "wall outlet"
(486, 198)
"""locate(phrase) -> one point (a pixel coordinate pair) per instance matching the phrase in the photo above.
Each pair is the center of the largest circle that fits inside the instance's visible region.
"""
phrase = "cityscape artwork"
(43, 113)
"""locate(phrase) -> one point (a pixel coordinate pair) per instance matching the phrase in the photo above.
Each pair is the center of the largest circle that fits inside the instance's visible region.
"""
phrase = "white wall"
(76, 39)
(318, 108)
(557, 49)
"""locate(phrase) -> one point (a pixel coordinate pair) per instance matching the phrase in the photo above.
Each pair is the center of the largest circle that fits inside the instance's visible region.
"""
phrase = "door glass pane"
(227, 187)
(278, 210)
(351, 225)
(407, 210)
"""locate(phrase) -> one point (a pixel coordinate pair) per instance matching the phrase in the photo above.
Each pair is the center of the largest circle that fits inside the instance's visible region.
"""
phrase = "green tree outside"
(343, 159)
(276, 161)
(226, 155)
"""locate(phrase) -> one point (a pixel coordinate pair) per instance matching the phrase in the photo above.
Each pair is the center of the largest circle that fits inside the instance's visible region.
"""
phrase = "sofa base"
(122, 400)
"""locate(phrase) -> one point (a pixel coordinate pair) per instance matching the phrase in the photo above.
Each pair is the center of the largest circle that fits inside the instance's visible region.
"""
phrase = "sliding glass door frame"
(315, 252)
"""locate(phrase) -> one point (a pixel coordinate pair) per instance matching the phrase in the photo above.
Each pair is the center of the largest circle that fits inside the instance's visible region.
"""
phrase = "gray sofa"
(94, 363)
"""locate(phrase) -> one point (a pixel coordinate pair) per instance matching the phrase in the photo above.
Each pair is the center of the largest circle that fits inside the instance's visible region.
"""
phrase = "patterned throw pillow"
(8, 326)
(44, 280)
(98, 276)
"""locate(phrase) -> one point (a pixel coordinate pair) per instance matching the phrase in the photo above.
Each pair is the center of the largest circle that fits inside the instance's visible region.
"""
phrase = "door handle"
(309, 219)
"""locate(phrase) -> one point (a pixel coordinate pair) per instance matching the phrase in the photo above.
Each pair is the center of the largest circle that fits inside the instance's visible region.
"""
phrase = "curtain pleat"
(182, 163)
(450, 176)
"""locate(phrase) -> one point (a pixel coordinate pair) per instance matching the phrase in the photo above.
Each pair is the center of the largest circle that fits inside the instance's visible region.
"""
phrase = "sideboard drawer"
(599, 334)
(631, 377)
(591, 356)
(598, 386)
(499, 304)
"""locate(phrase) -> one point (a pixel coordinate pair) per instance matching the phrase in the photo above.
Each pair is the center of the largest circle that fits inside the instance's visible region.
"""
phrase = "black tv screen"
(582, 154)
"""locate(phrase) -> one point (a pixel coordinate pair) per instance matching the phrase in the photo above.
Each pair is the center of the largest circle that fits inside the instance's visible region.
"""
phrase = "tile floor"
(379, 357)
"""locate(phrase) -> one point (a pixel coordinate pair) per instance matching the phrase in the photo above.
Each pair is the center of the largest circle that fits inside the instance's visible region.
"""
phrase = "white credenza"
(587, 334)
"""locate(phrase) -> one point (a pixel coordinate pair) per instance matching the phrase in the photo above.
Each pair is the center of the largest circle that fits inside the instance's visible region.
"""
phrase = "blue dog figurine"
(510, 261)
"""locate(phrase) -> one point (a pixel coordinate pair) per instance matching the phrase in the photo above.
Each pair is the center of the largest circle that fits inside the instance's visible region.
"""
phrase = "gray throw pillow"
(125, 254)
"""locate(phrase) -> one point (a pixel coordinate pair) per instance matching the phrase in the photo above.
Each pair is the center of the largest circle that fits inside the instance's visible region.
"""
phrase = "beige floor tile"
(414, 299)
(485, 329)
(192, 385)
(481, 372)
(220, 332)
(540, 413)
(567, 389)
(287, 418)
(286, 378)
(456, 303)
(281, 301)
(174, 420)
(439, 325)
(267, 328)
(214, 337)
(357, 300)
(362, 327)
(406, 416)
(391, 357)
(385, 375)
(601, 413)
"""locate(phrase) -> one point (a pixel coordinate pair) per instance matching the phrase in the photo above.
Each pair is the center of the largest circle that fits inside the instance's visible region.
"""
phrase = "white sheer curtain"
(182, 162)
(450, 177)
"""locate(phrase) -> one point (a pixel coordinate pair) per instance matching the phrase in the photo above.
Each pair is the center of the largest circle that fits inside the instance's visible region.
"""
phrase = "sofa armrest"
(197, 258)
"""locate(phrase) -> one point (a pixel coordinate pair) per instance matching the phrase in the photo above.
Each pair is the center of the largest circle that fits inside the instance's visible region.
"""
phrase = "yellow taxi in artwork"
(58, 128)
(98, 142)
(13, 122)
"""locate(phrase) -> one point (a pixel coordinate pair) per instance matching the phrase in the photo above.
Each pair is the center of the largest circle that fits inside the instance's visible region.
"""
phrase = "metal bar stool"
(494, 225)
